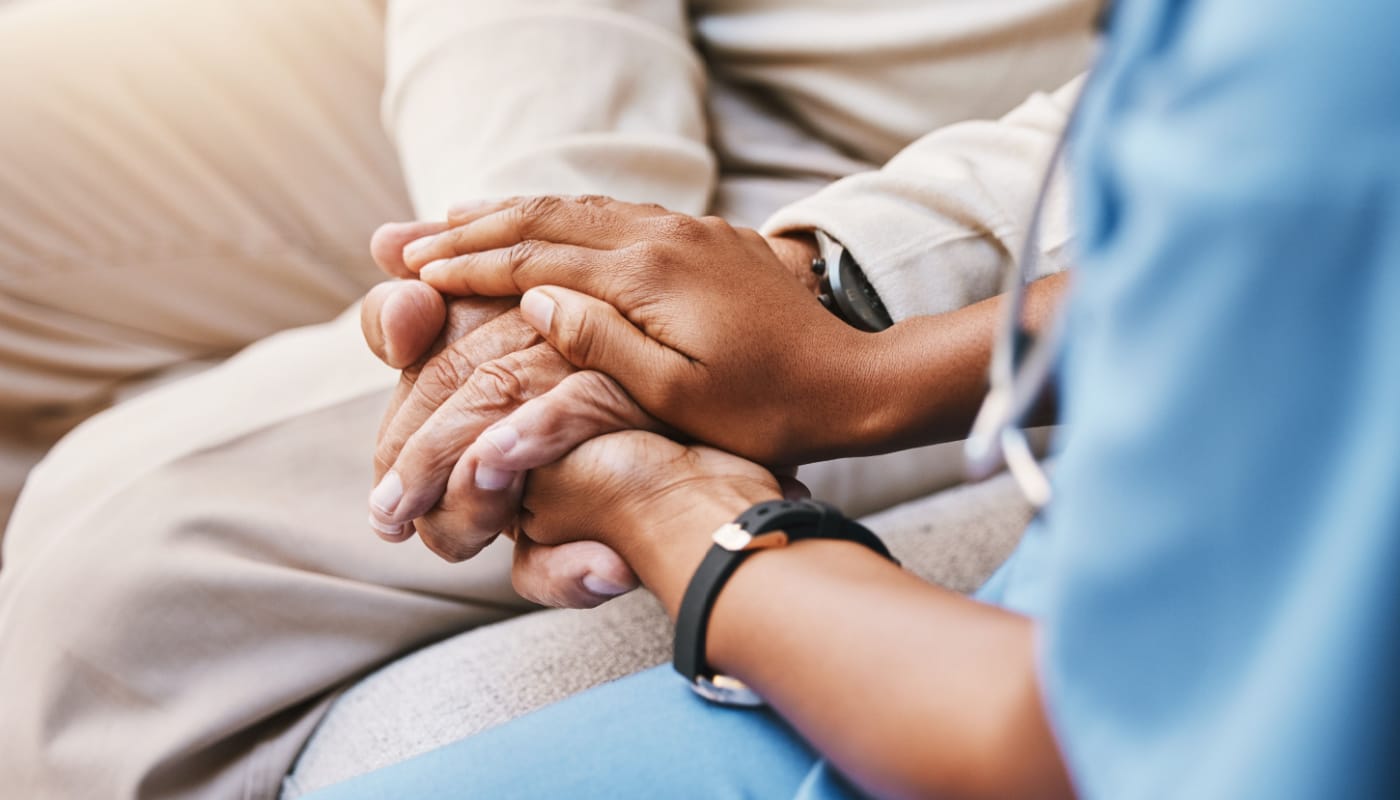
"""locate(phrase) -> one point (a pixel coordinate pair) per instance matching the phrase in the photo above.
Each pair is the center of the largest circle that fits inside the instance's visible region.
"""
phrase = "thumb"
(544, 429)
(401, 320)
(580, 574)
(591, 334)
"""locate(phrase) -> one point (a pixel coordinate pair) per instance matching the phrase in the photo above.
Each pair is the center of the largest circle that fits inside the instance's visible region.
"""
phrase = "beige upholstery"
(479, 679)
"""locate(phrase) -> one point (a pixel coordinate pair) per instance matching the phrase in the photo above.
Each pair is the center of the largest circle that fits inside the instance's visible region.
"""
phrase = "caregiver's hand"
(700, 322)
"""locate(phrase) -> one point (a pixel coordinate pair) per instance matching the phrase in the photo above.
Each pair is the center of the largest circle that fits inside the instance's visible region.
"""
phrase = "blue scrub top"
(1220, 588)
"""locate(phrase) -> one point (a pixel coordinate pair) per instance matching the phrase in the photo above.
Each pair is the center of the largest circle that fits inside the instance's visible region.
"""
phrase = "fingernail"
(417, 247)
(388, 529)
(492, 479)
(390, 357)
(386, 496)
(501, 437)
(602, 587)
(538, 309)
(432, 268)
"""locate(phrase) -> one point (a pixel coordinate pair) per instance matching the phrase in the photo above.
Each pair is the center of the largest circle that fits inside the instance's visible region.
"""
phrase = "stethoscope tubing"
(1021, 366)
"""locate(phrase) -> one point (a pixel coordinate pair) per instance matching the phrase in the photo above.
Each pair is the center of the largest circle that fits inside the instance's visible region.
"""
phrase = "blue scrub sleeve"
(1221, 620)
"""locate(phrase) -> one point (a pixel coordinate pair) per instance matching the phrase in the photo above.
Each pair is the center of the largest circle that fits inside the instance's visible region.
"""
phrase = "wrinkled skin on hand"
(441, 344)
(461, 475)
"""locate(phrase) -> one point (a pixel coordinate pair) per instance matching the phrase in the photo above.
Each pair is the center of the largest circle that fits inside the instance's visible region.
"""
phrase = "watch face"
(726, 691)
(856, 297)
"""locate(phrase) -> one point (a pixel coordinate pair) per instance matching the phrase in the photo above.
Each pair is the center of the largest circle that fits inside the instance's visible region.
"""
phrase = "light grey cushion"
(482, 678)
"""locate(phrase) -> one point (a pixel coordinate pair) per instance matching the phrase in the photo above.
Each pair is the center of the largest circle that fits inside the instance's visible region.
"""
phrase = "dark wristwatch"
(844, 288)
(774, 523)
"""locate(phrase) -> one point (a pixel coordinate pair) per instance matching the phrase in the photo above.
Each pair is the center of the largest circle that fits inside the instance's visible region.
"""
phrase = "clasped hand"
(630, 318)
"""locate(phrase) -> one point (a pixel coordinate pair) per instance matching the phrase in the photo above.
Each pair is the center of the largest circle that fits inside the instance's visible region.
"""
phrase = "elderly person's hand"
(460, 360)
(480, 369)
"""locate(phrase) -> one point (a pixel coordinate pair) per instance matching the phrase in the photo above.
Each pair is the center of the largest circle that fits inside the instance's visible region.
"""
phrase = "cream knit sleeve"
(937, 226)
(490, 98)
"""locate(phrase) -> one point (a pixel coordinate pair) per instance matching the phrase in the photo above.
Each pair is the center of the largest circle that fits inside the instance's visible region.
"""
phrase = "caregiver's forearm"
(923, 380)
(911, 690)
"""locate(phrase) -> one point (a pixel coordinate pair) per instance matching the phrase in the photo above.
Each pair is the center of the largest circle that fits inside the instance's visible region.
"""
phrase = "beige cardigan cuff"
(936, 228)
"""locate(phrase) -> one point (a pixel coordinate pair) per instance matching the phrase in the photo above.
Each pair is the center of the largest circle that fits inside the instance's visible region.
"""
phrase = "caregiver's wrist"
(796, 250)
(666, 542)
(919, 382)
(877, 371)
(841, 407)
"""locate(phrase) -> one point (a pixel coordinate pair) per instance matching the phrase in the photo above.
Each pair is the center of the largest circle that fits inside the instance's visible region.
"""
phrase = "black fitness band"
(773, 523)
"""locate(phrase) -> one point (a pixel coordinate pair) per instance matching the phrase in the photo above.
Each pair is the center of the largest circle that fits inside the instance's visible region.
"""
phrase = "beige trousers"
(188, 575)
(174, 186)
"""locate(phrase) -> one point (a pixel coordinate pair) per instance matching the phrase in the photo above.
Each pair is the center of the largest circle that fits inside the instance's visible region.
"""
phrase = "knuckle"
(457, 239)
(717, 228)
(577, 339)
(435, 380)
(485, 520)
(498, 383)
(596, 200)
(751, 236)
(537, 210)
(523, 253)
(648, 252)
(443, 533)
(441, 546)
(442, 375)
(472, 526)
(679, 227)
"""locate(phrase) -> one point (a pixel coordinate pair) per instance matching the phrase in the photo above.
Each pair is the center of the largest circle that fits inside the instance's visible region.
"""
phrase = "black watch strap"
(774, 523)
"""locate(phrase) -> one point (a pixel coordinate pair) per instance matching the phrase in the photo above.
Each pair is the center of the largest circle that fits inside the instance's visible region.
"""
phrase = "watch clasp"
(732, 537)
